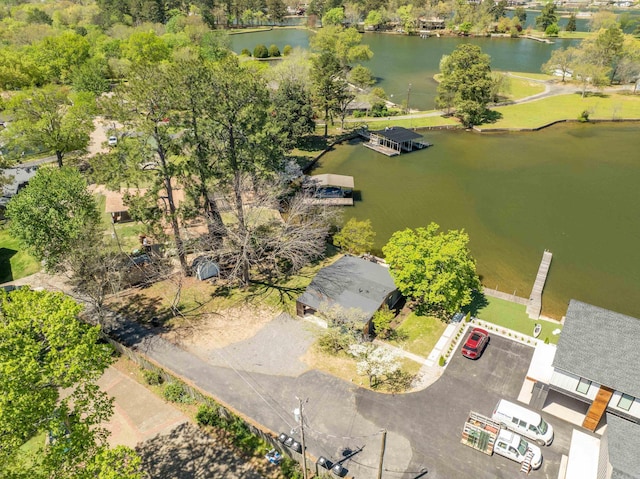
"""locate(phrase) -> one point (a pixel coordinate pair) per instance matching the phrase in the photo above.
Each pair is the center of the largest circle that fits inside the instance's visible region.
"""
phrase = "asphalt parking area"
(433, 419)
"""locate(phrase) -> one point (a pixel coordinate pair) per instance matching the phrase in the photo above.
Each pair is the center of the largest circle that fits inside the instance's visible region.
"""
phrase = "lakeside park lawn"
(536, 114)
(419, 334)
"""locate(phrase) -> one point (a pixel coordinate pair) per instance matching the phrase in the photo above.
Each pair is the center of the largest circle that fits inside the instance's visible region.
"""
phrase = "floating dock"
(392, 141)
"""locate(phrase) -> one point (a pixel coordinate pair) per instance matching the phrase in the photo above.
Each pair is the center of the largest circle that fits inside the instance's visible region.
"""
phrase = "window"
(625, 402)
(583, 386)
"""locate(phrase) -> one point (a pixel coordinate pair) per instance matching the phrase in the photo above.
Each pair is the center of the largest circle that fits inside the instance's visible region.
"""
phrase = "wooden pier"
(329, 201)
(535, 300)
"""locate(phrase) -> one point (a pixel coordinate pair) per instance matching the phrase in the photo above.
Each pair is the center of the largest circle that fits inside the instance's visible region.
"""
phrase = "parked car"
(523, 421)
(475, 343)
(112, 141)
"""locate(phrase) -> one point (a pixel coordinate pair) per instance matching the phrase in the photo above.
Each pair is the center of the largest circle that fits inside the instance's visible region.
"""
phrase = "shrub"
(286, 51)
(379, 109)
(441, 361)
(208, 416)
(290, 468)
(274, 51)
(245, 52)
(546, 340)
(467, 318)
(584, 116)
(260, 51)
(334, 341)
(359, 114)
(152, 377)
(176, 392)
(244, 438)
(552, 30)
(382, 322)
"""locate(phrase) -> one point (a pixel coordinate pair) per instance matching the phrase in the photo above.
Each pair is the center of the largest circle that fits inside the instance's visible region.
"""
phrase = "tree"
(46, 349)
(361, 77)
(466, 83)
(355, 237)
(374, 19)
(562, 60)
(547, 16)
(382, 320)
(277, 10)
(521, 14)
(345, 44)
(434, 269)
(293, 110)
(335, 16)
(50, 119)
(603, 19)
(54, 214)
(274, 51)
(91, 77)
(375, 362)
(260, 51)
(407, 18)
(571, 23)
(327, 85)
(552, 30)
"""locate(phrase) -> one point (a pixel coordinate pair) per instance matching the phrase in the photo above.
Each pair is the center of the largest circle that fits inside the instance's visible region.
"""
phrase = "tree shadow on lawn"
(6, 274)
(478, 302)
(188, 453)
(492, 116)
(593, 94)
(142, 309)
(312, 143)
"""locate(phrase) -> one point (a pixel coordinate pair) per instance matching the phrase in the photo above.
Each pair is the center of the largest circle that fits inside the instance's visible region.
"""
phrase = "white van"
(512, 446)
(523, 421)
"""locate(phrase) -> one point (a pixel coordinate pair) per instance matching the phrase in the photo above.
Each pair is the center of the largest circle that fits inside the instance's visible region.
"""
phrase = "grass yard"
(514, 316)
(344, 367)
(420, 334)
(567, 107)
(522, 88)
(534, 76)
(31, 447)
(416, 122)
(15, 263)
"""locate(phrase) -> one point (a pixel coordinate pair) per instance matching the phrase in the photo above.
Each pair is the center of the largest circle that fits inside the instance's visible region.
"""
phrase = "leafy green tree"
(607, 49)
(345, 44)
(571, 23)
(36, 15)
(46, 349)
(143, 48)
(466, 83)
(361, 76)
(408, 18)
(521, 14)
(374, 19)
(327, 85)
(562, 60)
(335, 16)
(547, 16)
(286, 51)
(603, 19)
(293, 111)
(434, 269)
(382, 320)
(91, 77)
(53, 214)
(260, 51)
(59, 55)
(355, 237)
(277, 10)
(552, 30)
(274, 51)
(50, 119)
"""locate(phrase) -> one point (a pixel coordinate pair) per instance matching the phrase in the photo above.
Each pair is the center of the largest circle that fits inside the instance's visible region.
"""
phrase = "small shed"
(205, 268)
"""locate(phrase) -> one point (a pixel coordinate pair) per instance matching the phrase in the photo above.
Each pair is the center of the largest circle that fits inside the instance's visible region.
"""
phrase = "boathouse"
(394, 140)
(330, 189)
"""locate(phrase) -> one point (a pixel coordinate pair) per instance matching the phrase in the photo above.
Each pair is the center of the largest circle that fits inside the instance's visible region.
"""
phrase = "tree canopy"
(434, 269)
(355, 237)
(46, 349)
(53, 214)
(466, 83)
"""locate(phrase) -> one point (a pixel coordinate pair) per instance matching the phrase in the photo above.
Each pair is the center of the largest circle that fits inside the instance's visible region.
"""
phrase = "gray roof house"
(350, 282)
(619, 446)
(596, 362)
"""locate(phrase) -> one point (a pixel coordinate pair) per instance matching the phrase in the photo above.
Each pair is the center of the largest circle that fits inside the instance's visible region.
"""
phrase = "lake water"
(572, 189)
(400, 60)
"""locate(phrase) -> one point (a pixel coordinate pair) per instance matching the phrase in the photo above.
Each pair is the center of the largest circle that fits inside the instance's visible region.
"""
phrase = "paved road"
(423, 427)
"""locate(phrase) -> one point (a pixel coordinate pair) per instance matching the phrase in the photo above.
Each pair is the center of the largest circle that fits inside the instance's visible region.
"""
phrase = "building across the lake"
(394, 140)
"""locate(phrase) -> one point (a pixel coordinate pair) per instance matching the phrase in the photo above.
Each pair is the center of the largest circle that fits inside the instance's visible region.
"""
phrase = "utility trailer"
(487, 436)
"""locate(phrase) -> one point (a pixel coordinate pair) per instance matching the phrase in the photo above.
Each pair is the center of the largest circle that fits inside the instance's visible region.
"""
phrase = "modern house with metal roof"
(596, 362)
(350, 282)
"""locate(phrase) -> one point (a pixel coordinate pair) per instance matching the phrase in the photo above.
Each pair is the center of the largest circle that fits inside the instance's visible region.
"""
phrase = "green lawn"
(420, 334)
(15, 263)
(534, 76)
(32, 446)
(514, 316)
(426, 122)
(522, 88)
(536, 114)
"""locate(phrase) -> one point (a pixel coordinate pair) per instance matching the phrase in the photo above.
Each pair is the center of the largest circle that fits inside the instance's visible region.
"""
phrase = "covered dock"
(330, 189)
(394, 140)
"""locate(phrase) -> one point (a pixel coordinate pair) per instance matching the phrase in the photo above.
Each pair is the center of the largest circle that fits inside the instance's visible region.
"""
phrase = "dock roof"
(398, 134)
(330, 179)
(599, 345)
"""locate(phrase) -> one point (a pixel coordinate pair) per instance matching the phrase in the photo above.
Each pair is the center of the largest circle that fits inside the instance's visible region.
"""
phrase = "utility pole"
(304, 449)
(382, 446)
(408, 93)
